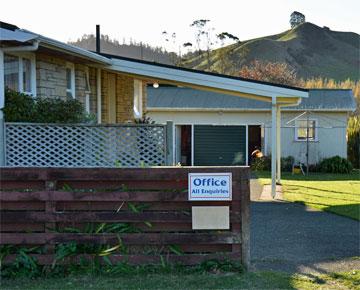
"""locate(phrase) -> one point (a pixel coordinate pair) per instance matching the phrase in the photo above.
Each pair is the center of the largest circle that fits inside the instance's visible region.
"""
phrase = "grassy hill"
(313, 51)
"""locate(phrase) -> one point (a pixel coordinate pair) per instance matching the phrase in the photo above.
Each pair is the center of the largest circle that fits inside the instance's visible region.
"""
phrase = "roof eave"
(73, 50)
(290, 109)
(198, 79)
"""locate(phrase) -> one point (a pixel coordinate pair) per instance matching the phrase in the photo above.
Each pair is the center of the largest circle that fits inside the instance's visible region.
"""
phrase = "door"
(255, 140)
(219, 145)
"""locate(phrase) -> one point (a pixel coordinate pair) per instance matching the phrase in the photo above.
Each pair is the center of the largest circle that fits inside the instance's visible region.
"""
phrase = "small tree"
(224, 53)
(273, 72)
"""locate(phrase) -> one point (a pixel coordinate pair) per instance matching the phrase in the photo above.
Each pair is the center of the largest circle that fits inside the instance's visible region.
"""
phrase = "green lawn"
(258, 280)
(336, 193)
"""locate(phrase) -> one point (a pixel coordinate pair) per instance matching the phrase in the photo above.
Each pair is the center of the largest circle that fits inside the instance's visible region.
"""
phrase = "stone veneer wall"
(51, 79)
(51, 82)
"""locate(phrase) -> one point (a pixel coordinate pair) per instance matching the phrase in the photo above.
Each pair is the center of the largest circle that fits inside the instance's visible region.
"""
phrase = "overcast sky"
(144, 20)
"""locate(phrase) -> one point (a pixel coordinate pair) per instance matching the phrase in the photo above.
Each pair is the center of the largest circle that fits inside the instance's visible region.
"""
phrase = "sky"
(144, 20)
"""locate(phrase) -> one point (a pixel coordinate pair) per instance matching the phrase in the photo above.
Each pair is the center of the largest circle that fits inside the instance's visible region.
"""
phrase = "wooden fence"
(143, 212)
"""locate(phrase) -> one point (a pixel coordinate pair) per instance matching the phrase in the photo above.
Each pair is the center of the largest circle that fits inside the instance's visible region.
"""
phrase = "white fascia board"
(167, 109)
(57, 45)
(204, 80)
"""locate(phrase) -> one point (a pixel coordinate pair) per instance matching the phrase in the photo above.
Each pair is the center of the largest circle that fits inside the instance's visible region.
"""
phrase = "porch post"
(2, 103)
(98, 94)
(169, 143)
(278, 145)
(273, 145)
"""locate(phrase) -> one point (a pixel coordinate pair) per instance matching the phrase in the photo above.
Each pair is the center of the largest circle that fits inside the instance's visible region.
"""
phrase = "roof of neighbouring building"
(179, 98)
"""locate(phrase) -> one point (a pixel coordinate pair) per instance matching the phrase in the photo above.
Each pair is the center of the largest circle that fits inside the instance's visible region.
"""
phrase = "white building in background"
(219, 129)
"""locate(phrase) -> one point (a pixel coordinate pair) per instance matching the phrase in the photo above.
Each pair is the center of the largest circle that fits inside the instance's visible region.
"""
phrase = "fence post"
(169, 143)
(2, 139)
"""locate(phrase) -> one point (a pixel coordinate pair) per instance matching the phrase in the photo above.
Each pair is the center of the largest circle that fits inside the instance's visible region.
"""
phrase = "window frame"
(297, 126)
(71, 66)
(138, 97)
(87, 90)
(21, 56)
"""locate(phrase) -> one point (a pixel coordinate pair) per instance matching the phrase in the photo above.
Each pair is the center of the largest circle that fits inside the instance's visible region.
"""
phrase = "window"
(138, 87)
(20, 73)
(26, 75)
(70, 80)
(301, 130)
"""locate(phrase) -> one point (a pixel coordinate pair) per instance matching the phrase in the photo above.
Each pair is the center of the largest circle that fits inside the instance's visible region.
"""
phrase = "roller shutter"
(219, 145)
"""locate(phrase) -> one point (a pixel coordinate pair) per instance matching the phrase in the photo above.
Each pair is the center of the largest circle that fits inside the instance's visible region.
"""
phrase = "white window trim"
(138, 87)
(87, 92)
(31, 57)
(297, 127)
(71, 66)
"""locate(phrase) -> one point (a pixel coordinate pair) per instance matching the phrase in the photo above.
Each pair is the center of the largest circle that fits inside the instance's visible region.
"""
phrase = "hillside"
(133, 49)
(313, 51)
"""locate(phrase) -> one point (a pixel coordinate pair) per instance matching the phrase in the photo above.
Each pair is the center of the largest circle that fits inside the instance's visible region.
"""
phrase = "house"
(113, 87)
(220, 129)
(44, 67)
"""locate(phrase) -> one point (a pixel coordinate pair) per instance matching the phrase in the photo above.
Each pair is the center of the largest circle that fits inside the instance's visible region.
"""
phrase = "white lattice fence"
(54, 145)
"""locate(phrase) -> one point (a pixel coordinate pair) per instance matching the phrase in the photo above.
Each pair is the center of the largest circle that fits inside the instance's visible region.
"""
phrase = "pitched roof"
(11, 33)
(176, 98)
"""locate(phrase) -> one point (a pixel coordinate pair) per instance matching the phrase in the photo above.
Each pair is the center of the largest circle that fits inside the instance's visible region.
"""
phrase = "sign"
(210, 186)
(210, 218)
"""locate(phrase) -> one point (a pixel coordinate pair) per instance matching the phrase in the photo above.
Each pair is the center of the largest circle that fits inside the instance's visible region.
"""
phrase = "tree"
(273, 72)
(203, 33)
(224, 53)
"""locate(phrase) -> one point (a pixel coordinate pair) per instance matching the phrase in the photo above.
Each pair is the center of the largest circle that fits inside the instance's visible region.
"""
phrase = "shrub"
(335, 164)
(264, 163)
(24, 108)
(59, 111)
(18, 107)
(287, 163)
(353, 132)
(261, 163)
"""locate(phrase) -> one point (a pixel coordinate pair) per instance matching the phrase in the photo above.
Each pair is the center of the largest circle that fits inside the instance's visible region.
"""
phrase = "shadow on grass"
(348, 210)
(351, 211)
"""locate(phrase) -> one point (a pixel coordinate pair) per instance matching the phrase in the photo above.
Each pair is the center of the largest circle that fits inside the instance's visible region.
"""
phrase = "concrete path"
(293, 238)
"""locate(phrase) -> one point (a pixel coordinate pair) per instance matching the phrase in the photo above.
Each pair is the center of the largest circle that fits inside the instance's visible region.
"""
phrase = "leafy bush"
(261, 163)
(264, 163)
(353, 132)
(287, 163)
(59, 111)
(24, 108)
(335, 164)
(18, 107)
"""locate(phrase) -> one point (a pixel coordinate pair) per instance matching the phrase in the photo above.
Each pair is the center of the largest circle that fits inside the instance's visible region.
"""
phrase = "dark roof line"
(200, 71)
(8, 26)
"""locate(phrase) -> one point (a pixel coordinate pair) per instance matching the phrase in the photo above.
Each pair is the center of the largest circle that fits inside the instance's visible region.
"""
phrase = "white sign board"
(210, 186)
(210, 217)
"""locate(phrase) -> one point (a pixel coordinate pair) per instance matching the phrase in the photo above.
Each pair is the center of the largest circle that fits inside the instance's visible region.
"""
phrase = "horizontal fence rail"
(137, 215)
(81, 145)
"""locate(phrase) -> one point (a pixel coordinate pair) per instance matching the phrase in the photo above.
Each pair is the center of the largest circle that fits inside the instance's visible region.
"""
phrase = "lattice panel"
(44, 145)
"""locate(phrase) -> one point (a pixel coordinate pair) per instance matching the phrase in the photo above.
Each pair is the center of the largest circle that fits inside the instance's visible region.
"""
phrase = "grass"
(336, 193)
(248, 280)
